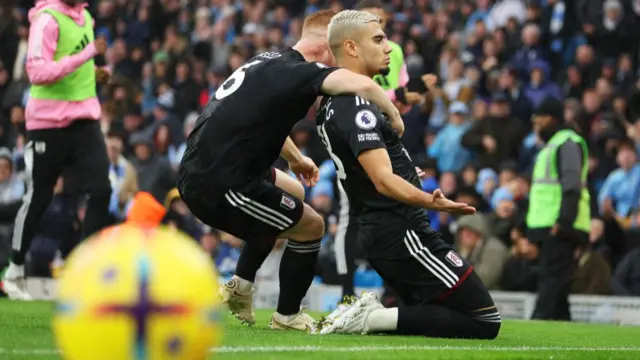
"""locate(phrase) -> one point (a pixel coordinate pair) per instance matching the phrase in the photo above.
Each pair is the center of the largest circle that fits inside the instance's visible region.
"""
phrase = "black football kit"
(226, 176)
(441, 294)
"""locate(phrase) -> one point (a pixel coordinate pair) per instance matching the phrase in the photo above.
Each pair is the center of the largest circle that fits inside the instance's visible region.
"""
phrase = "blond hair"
(345, 23)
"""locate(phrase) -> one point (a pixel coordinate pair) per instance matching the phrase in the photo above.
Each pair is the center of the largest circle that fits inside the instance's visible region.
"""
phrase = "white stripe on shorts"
(426, 258)
(267, 209)
(253, 211)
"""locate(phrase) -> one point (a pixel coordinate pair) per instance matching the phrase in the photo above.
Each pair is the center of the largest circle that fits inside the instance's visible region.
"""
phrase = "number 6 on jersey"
(234, 81)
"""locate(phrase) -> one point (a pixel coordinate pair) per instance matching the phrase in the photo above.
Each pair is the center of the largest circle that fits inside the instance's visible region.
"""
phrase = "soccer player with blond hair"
(441, 294)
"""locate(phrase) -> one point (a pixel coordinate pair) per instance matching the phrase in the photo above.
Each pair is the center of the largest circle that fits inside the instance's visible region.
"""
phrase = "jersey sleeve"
(309, 76)
(360, 123)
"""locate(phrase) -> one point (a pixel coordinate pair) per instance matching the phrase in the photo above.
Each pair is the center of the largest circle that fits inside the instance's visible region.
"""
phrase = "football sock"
(253, 255)
(383, 320)
(297, 269)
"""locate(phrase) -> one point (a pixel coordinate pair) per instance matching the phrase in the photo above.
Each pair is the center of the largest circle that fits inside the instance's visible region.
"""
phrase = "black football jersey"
(349, 125)
(240, 133)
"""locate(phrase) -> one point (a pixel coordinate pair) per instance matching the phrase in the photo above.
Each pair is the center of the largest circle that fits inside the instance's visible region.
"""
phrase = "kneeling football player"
(441, 294)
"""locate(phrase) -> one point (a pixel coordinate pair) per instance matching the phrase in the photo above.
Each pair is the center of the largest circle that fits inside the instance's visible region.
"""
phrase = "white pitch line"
(256, 349)
(276, 349)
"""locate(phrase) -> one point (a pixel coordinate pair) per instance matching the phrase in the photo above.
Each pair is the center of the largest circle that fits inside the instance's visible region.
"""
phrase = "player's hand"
(421, 174)
(306, 171)
(101, 45)
(396, 122)
(102, 75)
(441, 203)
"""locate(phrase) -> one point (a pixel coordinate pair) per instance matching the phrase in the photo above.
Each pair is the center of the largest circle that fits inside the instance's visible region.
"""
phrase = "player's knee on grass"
(289, 184)
(491, 331)
(309, 228)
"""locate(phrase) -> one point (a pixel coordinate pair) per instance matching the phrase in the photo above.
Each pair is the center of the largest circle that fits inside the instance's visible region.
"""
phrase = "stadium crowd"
(472, 135)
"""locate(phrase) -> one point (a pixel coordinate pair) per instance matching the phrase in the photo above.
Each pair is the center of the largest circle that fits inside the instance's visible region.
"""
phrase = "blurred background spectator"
(472, 134)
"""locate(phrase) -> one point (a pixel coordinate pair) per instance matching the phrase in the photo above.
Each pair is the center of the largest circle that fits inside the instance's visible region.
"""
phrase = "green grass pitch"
(25, 333)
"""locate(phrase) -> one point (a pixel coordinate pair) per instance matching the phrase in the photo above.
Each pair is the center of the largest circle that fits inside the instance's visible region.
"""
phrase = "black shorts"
(78, 152)
(414, 261)
(257, 211)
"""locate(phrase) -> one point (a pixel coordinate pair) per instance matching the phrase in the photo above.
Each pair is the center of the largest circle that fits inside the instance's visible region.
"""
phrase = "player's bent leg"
(297, 269)
(442, 297)
(288, 184)
(467, 312)
(309, 228)
(256, 251)
(237, 292)
(217, 212)
(368, 316)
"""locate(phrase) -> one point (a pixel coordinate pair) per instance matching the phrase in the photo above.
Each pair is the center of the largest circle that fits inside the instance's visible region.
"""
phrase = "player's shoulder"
(273, 58)
(352, 102)
(354, 111)
(293, 58)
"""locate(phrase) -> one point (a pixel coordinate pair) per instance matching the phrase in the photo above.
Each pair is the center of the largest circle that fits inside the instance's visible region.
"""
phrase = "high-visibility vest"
(81, 84)
(545, 197)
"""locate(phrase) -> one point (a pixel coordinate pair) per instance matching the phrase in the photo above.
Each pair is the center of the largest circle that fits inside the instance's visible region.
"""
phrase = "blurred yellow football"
(131, 293)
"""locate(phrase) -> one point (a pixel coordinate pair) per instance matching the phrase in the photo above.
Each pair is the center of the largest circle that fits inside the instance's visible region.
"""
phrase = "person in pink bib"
(62, 131)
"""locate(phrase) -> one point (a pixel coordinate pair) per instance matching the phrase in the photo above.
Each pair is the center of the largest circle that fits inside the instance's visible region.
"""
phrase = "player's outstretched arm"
(343, 81)
(377, 164)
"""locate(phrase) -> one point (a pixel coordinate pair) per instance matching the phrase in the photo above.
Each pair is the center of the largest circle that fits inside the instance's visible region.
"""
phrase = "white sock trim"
(244, 286)
(382, 320)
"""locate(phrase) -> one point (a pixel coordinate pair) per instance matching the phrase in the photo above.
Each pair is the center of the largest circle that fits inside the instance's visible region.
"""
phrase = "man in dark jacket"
(497, 137)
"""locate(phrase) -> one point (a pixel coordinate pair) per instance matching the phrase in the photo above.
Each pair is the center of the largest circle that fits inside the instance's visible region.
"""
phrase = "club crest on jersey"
(366, 119)
(454, 259)
(287, 203)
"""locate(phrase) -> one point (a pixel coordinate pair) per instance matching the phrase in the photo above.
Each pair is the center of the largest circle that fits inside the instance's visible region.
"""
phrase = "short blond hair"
(343, 24)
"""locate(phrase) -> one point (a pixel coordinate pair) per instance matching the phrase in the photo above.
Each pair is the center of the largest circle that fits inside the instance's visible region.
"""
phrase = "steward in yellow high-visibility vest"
(559, 216)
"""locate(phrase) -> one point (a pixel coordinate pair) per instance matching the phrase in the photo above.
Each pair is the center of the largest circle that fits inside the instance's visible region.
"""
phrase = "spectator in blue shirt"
(480, 14)
(447, 149)
(620, 193)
